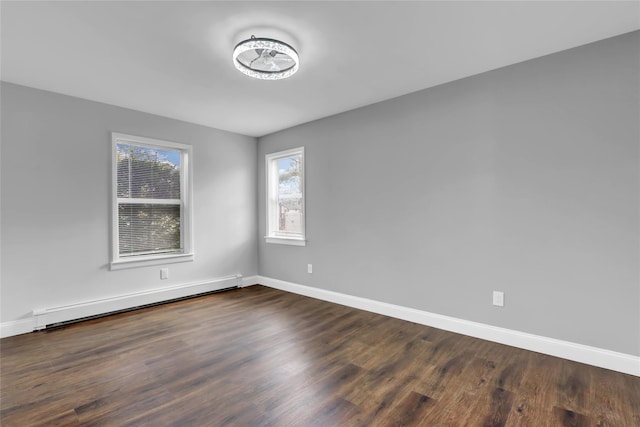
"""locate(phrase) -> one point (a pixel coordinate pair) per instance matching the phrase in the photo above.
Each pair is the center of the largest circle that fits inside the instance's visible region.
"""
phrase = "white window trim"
(272, 189)
(186, 217)
(295, 241)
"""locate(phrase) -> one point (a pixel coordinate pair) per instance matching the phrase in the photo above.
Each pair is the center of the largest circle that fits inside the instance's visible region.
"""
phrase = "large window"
(151, 202)
(285, 197)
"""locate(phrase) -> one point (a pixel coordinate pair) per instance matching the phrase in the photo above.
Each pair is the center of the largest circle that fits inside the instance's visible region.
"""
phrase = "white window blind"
(150, 186)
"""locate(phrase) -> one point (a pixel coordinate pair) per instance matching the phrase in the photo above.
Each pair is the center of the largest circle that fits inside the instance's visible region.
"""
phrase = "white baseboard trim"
(249, 281)
(608, 359)
(47, 316)
(16, 327)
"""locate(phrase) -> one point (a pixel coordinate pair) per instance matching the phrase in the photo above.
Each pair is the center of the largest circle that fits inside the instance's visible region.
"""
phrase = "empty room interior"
(320, 213)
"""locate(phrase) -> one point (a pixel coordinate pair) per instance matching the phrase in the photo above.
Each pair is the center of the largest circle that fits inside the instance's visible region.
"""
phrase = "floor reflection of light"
(287, 361)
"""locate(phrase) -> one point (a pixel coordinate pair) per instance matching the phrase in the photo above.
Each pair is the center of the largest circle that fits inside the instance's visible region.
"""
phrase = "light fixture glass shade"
(266, 59)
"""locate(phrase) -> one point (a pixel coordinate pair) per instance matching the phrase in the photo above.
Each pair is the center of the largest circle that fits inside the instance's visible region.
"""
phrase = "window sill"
(151, 260)
(285, 241)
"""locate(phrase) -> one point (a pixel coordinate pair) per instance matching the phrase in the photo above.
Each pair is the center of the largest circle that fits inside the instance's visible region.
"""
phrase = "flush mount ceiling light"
(266, 59)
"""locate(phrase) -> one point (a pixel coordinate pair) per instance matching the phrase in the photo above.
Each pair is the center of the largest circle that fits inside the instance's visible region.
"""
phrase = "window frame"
(186, 252)
(272, 180)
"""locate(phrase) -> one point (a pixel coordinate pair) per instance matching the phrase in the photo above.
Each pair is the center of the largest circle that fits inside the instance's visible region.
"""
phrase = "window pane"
(148, 173)
(147, 228)
(290, 209)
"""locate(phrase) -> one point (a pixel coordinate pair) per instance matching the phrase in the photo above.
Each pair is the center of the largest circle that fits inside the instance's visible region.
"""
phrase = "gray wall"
(56, 229)
(523, 179)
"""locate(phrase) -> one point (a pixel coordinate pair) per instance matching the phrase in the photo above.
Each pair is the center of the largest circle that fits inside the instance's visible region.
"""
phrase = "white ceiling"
(174, 58)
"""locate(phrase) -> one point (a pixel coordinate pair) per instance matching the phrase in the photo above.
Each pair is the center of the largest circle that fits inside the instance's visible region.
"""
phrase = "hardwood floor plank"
(568, 418)
(263, 357)
(67, 419)
(410, 410)
(499, 408)
(606, 405)
(573, 386)
(456, 402)
(632, 394)
(537, 395)
(378, 394)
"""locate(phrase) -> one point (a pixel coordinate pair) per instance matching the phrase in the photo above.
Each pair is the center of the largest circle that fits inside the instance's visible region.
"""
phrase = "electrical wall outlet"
(498, 298)
(164, 273)
(309, 268)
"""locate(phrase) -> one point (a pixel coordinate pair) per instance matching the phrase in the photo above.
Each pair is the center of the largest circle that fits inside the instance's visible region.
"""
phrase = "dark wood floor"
(258, 356)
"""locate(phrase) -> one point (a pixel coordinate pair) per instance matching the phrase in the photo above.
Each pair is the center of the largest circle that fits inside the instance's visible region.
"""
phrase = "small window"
(151, 202)
(285, 197)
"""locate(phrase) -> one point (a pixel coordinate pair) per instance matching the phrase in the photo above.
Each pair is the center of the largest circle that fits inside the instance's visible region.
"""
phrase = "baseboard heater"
(56, 317)
(139, 307)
